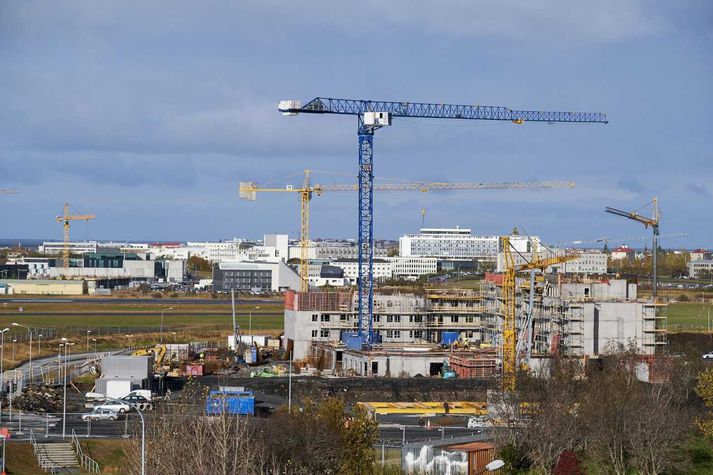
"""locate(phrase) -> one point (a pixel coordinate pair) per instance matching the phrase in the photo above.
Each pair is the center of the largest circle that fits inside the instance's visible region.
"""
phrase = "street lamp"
(2, 370)
(130, 337)
(39, 344)
(143, 426)
(29, 330)
(66, 345)
(88, 332)
(174, 336)
(250, 324)
(95, 344)
(161, 330)
(14, 340)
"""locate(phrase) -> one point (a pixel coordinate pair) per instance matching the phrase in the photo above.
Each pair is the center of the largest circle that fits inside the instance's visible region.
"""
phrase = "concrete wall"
(362, 364)
(612, 323)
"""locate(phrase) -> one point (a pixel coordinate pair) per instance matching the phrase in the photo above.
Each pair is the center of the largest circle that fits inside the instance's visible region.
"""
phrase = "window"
(325, 317)
(324, 333)
(418, 334)
(469, 319)
(454, 319)
(342, 318)
(314, 333)
(315, 317)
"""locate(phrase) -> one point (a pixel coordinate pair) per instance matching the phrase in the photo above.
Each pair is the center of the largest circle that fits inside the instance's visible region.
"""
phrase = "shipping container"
(235, 403)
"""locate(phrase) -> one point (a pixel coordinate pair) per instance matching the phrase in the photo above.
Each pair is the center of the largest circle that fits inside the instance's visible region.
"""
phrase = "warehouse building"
(254, 276)
(43, 287)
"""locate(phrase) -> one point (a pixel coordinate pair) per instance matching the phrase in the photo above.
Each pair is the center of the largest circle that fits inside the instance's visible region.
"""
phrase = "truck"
(229, 401)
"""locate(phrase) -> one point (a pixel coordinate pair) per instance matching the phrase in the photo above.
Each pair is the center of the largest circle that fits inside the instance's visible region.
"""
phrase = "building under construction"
(461, 329)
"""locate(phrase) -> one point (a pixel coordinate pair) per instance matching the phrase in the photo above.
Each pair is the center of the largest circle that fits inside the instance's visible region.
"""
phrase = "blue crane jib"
(327, 105)
(371, 116)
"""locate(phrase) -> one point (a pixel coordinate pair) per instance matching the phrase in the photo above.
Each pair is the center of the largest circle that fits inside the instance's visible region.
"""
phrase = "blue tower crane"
(373, 115)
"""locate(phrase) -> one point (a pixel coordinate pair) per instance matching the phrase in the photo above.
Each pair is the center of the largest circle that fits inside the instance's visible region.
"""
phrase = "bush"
(683, 298)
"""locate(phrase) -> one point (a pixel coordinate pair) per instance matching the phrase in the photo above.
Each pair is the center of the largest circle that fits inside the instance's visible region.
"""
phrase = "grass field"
(688, 316)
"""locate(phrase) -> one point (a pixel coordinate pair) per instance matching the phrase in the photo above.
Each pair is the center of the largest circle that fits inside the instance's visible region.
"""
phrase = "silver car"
(100, 415)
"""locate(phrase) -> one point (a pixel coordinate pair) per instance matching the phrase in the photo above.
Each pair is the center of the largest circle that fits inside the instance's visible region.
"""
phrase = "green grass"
(688, 316)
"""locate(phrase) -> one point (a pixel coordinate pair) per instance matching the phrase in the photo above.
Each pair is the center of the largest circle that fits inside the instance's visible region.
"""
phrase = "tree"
(705, 391)
(198, 264)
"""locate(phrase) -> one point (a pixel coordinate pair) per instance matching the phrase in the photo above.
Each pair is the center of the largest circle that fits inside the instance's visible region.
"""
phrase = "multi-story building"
(448, 243)
(54, 248)
(700, 254)
(587, 262)
(623, 252)
(254, 276)
(412, 267)
(696, 268)
(382, 269)
(331, 249)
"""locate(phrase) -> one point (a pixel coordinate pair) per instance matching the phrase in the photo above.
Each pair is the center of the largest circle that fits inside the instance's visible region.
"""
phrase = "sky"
(149, 114)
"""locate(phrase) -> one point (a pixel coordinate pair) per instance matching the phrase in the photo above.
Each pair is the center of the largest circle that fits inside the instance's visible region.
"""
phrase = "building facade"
(700, 267)
(254, 276)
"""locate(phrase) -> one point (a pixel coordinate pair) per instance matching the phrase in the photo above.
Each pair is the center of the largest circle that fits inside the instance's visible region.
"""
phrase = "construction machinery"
(248, 191)
(654, 223)
(512, 345)
(372, 116)
(65, 220)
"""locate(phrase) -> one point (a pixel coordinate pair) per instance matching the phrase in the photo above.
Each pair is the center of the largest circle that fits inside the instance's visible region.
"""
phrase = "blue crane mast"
(373, 115)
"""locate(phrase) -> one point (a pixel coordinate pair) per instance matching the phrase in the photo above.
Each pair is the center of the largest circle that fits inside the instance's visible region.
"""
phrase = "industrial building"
(254, 276)
(42, 287)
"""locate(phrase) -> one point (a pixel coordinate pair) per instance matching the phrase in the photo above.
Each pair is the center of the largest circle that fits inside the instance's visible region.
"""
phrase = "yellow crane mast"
(509, 300)
(65, 220)
(248, 191)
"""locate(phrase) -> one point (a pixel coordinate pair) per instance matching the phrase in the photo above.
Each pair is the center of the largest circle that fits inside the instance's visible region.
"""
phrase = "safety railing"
(88, 464)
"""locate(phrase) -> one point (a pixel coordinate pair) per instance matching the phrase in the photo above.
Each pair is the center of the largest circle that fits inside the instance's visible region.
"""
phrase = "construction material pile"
(39, 398)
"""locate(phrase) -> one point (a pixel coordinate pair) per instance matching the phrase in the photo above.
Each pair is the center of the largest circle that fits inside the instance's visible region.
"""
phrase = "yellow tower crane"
(248, 190)
(65, 219)
(510, 342)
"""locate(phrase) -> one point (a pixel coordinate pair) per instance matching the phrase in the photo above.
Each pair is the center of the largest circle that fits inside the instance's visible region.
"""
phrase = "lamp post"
(67, 344)
(161, 330)
(29, 330)
(130, 339)
(250, 324)
(88, 332)
(95, 344)
(39, 344)
(2, 370)
(174, 336)
(143, 428)
(14, 340)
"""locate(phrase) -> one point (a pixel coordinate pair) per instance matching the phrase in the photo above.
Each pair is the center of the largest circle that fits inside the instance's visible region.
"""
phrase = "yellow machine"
(65, 219)
(158, 352)
(248, 191)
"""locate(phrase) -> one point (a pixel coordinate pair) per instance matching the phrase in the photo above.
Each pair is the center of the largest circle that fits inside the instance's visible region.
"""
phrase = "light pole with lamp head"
(14, 340)
(66, 345)
(161, 329)
(95, 344)
(88, 332)
(29, 330)
(250, 324)
(2, 370)
(39, 344)
(143, 426)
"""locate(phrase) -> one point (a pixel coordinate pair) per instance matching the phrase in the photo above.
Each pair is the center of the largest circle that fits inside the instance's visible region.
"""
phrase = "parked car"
(115, 406)
(140, 402)
(708, 355)
(100, 415)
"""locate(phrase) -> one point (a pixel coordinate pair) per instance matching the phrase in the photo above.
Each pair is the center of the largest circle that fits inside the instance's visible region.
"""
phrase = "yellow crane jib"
(248, 191)
(65, 219)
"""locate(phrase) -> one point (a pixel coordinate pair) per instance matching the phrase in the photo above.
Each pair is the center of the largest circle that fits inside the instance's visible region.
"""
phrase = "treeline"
(602, 419)
(669, 263)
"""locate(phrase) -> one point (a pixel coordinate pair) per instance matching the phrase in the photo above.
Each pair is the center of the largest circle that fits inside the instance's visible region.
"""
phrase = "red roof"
(473, 446)
(700, 251)
(623, 249)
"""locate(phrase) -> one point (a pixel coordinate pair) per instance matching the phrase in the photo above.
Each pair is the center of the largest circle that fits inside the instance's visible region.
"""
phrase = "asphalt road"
(168, 301)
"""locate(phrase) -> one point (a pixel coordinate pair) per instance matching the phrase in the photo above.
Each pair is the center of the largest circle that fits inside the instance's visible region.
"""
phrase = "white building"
(696, 267)
(412, 267)
(700, 254)
(57, 247)
(622, 252)
(455, 243)
(585, 263)
(383, 269)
